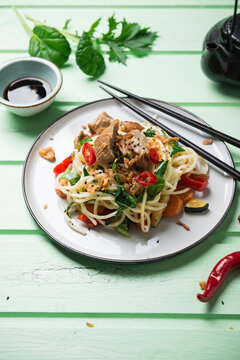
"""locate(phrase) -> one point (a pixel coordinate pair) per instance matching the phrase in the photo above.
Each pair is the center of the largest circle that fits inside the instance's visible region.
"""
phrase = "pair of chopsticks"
(217, 134)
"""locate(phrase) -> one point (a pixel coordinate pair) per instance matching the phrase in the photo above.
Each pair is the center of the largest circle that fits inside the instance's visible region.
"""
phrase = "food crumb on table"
(231, 328)
(47, 153)
(45, 206)
(207, 142)
(51, 138)
(84, 127)
(89, 324)
(202, 285)
(180, 223)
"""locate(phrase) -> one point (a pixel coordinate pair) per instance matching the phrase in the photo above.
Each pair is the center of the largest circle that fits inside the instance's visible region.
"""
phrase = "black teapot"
(221, 51)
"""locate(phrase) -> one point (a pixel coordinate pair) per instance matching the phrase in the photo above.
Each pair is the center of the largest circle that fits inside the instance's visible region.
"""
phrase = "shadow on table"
(33, 125)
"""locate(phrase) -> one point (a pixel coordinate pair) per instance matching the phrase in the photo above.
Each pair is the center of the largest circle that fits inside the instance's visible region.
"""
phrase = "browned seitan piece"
(127, 126)
(135, 147)
(102, 122)
(104, 143)
(80, 137)
(47, 153)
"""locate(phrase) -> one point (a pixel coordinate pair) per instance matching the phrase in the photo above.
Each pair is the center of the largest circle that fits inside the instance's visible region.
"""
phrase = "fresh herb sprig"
(120, 39)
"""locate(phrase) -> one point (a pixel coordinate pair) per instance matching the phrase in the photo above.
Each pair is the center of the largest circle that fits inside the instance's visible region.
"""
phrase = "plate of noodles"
(119, 189)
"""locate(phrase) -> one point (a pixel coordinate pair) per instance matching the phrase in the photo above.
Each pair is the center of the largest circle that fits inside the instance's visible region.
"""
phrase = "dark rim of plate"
(108, 259)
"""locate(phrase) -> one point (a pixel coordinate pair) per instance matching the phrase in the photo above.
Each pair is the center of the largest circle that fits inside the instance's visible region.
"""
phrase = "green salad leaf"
(161, 171)
(50, 44)
(155, 189)
(89, 57)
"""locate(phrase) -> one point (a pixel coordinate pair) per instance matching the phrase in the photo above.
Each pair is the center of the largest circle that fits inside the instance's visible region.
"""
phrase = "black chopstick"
(220, 164)
(217, 134)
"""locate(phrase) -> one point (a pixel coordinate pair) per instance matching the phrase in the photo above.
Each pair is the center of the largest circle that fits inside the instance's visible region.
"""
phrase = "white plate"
(165, 240)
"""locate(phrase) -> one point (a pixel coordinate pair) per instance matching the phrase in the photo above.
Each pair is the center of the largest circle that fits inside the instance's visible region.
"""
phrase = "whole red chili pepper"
(218, 275)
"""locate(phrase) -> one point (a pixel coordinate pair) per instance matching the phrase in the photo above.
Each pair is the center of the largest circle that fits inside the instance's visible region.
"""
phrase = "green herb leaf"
(176, 149)
(116, 53)
(161, 171)
(93, 27)
(123, 228)
(164, 133)
(112, 25)
(114, 168)
(72, 177)
(122, 198)
(68, 208)
(120, 211)
(83, 141)
(49, 43)
(85, 172)
(109, 192)
(141, 44)
(89, 57)
(154, 190)
(65, 27)
(149, 133)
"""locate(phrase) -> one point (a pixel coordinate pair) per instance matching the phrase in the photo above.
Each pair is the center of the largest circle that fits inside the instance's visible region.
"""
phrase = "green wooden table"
(145, 311)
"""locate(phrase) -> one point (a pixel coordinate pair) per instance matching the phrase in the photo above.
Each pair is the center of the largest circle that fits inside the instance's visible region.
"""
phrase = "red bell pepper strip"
(154, 157)
(146, 178)
(88, 153)
(60, 193)
(87, 221)
(60, 168)
(195, 182)
(219, 274)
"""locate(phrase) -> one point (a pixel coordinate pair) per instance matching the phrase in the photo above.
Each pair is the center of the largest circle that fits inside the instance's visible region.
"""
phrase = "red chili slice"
(88, 153)
(146, 178)
(60, 168)
(154, 157)
(87, 221)
(195, 182)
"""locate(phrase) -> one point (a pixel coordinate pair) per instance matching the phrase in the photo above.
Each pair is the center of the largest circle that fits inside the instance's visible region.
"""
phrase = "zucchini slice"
(196, 206)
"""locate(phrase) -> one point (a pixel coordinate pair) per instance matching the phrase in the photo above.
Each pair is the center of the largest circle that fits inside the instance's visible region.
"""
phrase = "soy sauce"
(27, 90)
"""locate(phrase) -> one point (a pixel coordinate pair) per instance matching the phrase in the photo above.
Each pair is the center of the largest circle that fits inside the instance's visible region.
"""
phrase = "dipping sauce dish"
(28, 85)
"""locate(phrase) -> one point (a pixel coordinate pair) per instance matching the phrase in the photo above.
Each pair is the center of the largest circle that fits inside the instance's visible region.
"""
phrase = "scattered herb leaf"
(164, 133)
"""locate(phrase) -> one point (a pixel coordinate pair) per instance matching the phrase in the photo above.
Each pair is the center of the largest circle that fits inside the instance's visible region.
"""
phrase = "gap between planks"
(119, 6)
(116, 315)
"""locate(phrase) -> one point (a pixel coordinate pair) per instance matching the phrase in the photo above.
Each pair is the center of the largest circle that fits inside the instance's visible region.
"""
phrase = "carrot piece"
(87, 221)
(60, 193)
(187, 196)
(100, 208)
(174, 206)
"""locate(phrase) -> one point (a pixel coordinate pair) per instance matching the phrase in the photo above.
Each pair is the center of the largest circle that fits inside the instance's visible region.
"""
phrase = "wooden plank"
(124, 3)
(163, 20)
(167, 77)
(11, 198)
(38, 276)
(23, 131)
(36, 339)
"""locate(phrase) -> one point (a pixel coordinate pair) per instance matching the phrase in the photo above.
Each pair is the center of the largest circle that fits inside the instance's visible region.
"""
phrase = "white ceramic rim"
(52, 94)
(135, 261)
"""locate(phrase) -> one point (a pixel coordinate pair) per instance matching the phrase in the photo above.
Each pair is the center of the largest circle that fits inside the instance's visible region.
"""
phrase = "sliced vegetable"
(87, 221)
(60, 193)
(155, 189)
(164, 133)
(195, 182)
(150, 133)
(60, 168)
(123, 228)
(72, 177)
(68, 208)
(83, 141)
(154, 157)
(174, 206)
(146, 178)
(176, 149)
(85, 172)
(187, 196)
(88, 153)
(161, 171)
(196, 206)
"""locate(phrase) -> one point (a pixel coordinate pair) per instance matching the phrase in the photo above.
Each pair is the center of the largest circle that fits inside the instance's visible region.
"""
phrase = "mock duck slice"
(104, 143)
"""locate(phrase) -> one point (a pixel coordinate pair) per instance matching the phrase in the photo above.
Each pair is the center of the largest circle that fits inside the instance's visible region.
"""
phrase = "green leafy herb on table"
(121, 39)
